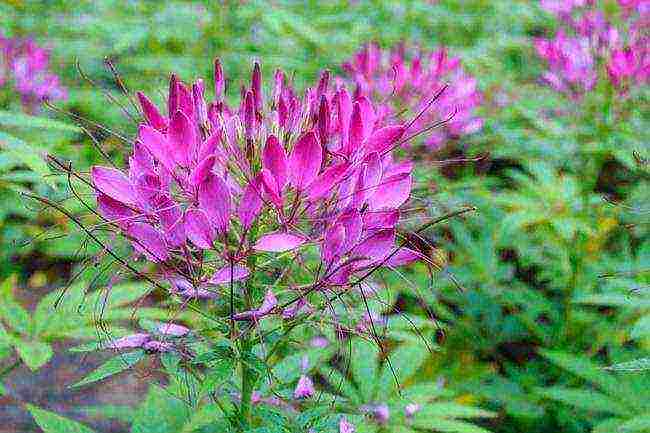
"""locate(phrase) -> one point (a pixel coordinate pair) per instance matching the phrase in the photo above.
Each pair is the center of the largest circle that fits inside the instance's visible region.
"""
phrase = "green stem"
(247, 382)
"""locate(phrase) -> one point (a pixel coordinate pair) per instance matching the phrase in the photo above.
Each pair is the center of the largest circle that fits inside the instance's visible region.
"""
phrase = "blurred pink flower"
(27, 66)
(406, 79)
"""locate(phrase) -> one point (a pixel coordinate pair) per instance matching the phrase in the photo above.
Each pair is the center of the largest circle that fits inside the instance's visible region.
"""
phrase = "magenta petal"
(271, 188)
(391, 193)
(114, 211)
(151, 113)
(181, 138)
(157, 145)
(384, 139)
(173, 330)
(214, 200)
(333, 242)
(380, 219)
(171, 220)
(251, 203)
(202, 170)
(114, 184)
(129, 341)
(352, 222)
(404, 256)
(305, 161)
(375, 247)
(274, 159)
(148, 241)
(198, 228)
(224, 276)
(279, 242)
(305, 388)
(344, 111)
(185, 100)
(269, 303)
(356, 129)
(326, 181)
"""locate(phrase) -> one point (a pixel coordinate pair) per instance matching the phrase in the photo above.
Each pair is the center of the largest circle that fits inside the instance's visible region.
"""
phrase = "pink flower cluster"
(406, 80)
(27, 66)
(209, 184)
(589, 42)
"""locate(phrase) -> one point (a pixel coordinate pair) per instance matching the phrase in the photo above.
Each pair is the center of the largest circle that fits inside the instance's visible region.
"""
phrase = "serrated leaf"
(445, 425)
(115, 365)
(454, 410)
(26, 154)
(53, 423)
(34, 353)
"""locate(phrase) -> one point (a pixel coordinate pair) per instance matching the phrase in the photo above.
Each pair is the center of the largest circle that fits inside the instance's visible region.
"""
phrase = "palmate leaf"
(115, 365)
(23, 120)
(52, 423)
(26, 154)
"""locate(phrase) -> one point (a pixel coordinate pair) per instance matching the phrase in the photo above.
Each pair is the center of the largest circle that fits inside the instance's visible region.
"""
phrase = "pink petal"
(151, 113)
(185, 100)
(380, 219)
(148, 241)
(392, 192)
(271, 188)
(346, 427)
(202, 170)
(224, 276)
(375, 247)
(344, 111)
(211, 146)
(114, 211)
(114, 184)
(326, 181)
(384, 139)
(404, 256)
(274, 159)
(129, 341)
(333, 242)
(251, 203)
(173, 330)
(279, 242)
(352, 222)
(214, 200)
(181, 138)
(305, 161)
(172, 100)
(157, 145)
(148, 188)
(198, 228)
(171, 220)
(269, 303)
(219, 80)
(356, 129)
(305, 388)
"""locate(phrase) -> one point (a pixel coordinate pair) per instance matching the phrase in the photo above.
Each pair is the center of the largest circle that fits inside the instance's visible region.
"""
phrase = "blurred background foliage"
(555, 279)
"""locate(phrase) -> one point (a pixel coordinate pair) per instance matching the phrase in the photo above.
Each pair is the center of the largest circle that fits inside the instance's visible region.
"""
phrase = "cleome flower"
(407, 78)
(209, 186)
(26, 65)
(588, 40)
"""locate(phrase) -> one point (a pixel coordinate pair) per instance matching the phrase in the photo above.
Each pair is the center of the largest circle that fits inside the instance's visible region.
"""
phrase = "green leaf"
(454, 410)
(53, 423)
(115, 365)
(26, 154)
(161, 412)
(590, 400)
(639, 424)
(641, 364)
(26, 121)
(445, 425)
(34, 353)
(11, 311)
